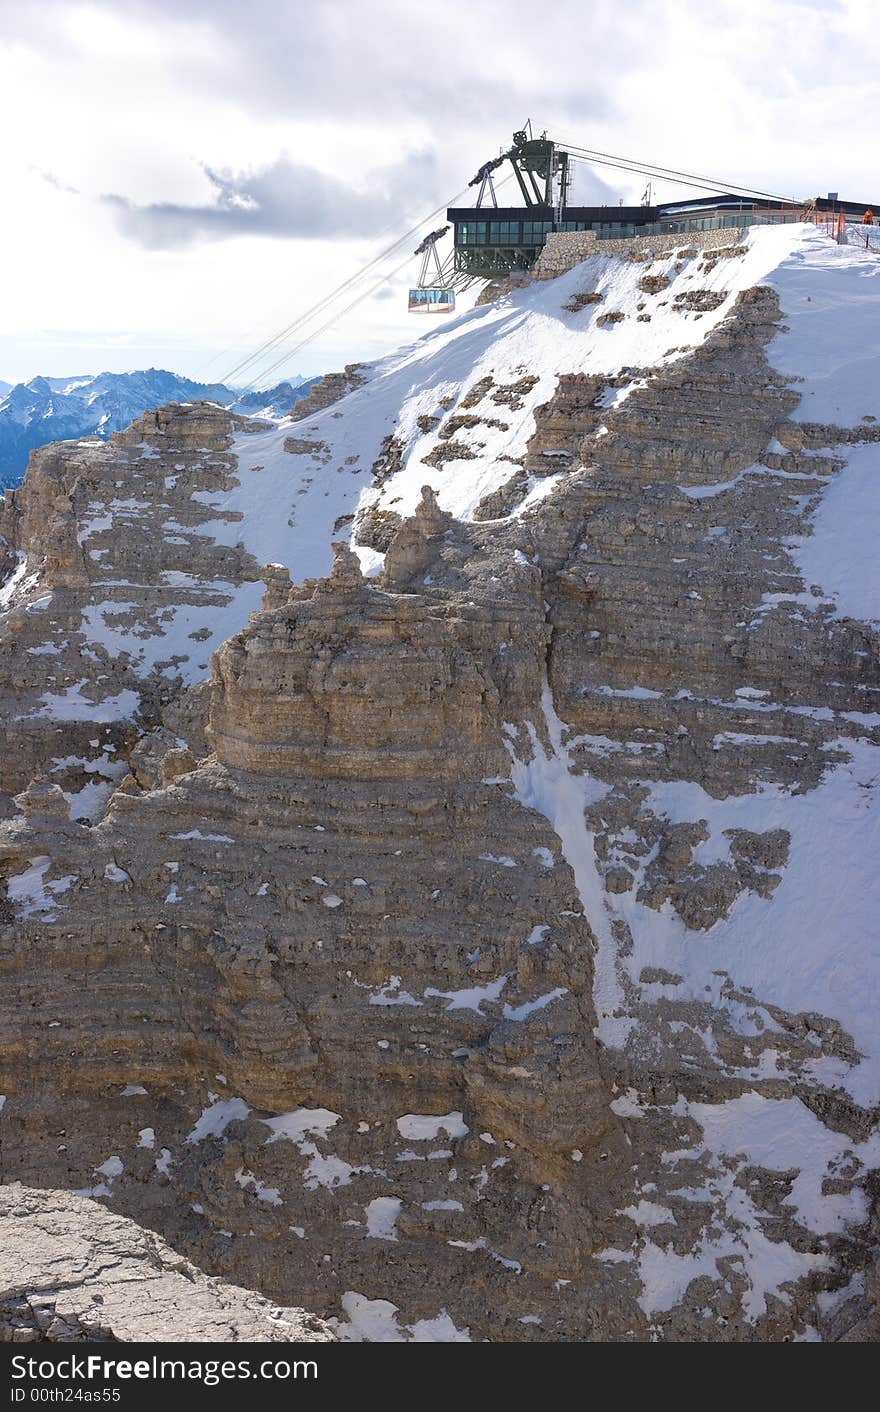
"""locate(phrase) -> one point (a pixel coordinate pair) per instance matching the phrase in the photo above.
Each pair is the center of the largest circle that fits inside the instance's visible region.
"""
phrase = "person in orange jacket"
(868, 218)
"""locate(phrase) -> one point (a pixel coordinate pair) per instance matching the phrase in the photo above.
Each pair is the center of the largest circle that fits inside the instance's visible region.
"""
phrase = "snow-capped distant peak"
(48, 409)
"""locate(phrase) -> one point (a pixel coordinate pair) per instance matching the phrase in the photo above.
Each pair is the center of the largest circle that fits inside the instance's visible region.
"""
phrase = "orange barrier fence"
(832, 222)
(835, 224)
(845, 232)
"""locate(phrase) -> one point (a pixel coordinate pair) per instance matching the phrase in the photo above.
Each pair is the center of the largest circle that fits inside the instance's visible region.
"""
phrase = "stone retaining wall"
(565, 249)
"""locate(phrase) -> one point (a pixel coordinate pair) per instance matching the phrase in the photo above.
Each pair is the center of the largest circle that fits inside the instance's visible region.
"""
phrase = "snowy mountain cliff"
(441, 829)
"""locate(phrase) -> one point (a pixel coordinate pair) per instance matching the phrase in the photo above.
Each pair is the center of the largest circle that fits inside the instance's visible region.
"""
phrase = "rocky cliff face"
(487, 950)
(127, 564)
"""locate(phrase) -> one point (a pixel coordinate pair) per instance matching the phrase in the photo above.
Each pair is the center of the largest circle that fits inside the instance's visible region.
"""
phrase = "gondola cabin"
(432, 301)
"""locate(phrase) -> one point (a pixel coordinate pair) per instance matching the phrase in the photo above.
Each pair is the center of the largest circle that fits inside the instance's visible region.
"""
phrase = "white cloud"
(258, 152)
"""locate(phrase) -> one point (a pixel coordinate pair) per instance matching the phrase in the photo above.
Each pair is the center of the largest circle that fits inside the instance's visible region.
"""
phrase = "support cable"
(289, 352)
(606, 159)
(270, 344)
(273, 344)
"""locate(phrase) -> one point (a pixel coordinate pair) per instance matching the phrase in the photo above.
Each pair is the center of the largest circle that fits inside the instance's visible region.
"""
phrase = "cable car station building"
(492, 240)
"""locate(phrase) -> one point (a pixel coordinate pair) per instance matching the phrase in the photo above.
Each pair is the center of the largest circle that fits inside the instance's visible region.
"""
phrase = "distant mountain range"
(58, 409)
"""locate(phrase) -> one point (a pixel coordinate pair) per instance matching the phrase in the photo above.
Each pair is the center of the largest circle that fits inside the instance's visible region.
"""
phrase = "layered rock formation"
(117, 596)
(482, 981)
(127, 564)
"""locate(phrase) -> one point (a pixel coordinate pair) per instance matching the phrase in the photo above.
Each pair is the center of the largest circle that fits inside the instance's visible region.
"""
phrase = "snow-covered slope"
(291, 500)
(531, 334)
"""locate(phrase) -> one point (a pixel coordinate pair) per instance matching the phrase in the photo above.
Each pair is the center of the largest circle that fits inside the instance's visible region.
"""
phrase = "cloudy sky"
(182, 178)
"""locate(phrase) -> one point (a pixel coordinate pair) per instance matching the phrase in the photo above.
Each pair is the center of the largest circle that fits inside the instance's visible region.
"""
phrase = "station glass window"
(471, 233)
(535, 232)
(504, 232)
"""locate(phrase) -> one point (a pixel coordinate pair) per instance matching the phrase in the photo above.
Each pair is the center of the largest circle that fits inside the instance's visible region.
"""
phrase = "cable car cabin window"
(432, 301)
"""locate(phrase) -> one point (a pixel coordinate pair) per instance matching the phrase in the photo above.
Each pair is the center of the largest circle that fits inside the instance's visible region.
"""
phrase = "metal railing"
(866, 236)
